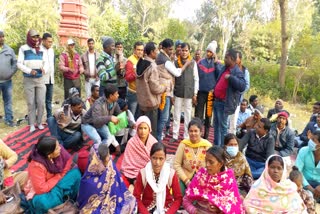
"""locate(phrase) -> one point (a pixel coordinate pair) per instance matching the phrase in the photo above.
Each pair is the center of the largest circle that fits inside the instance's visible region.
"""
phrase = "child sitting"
(124, 135)
(296, 177)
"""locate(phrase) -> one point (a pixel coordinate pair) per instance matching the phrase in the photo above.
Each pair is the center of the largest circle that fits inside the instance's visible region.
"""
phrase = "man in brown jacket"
(149, 88)
(89, 59)
(103, 111)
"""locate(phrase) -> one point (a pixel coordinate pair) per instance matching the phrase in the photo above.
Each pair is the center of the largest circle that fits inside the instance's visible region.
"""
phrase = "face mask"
(312, 145)
(232, 150)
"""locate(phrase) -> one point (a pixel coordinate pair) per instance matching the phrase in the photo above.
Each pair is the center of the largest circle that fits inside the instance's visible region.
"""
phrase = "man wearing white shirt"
(48, 77)
(167, 73)
(185, 91)
(89, 65)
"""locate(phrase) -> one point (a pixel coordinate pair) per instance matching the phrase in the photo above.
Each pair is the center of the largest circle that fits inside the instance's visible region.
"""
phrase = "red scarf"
(33, 44)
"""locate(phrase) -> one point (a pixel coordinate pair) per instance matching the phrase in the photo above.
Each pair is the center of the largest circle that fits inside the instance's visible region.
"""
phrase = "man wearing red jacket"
(131, 76)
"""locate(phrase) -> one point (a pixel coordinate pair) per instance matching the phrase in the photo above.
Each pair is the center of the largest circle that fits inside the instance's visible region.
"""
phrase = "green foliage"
(21, 15)
(175, 30)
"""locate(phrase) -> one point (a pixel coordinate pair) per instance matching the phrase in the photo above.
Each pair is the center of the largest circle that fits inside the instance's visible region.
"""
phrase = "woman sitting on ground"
(137, 152)
(214, 188)
(273, 192)
(191, 153)
(308, 163)
(237, 161)
(53, 176)
(101, 187)
(297, 177)
(157, 188)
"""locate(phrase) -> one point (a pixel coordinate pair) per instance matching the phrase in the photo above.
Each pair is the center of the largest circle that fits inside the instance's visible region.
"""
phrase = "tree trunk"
(284, 42)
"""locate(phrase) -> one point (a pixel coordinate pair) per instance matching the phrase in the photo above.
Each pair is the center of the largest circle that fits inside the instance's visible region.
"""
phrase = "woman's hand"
(2, 198)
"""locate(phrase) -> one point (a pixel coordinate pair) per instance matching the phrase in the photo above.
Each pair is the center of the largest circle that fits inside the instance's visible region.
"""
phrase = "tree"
(145, 13)
(284, 42)
(175, 30)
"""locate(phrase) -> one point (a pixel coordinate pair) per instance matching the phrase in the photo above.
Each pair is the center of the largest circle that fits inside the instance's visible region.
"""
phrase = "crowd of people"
(127, 113)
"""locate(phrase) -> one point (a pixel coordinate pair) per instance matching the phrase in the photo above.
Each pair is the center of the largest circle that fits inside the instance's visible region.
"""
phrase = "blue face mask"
(312, 145)
(232, 150)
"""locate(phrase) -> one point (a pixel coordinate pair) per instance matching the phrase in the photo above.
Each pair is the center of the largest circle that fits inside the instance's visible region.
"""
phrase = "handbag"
(67, 207)
(13, 206)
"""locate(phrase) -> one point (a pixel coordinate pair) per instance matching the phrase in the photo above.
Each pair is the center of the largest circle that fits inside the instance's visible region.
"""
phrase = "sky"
(185, 9)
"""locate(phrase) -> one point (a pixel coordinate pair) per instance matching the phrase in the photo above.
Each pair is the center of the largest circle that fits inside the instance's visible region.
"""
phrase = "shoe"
(40, 127)
(10, 123)
(172, 140)
(32, 128)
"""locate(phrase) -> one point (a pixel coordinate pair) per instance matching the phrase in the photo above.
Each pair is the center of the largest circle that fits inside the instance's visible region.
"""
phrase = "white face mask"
(232, 150)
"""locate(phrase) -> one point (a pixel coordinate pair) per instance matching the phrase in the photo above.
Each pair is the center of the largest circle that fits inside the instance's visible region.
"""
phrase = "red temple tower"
(74, 22)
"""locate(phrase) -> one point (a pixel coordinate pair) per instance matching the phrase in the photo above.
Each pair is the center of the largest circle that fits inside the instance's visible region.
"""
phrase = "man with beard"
(71, 67)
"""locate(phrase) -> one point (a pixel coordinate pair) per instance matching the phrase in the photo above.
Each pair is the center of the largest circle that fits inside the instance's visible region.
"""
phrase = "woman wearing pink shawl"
(214, 188)
(137, 152)
(273, 193)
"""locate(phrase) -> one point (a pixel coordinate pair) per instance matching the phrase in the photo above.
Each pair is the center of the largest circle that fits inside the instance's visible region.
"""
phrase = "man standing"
(149, 89)
(197, 56)
(30, 62)
(48, 58)
(105, 65)
(131, 76)
(207, 69)
(167, 71)
(8, 67)
(120, 62)
(227, 92)
(70, 65)
(89, 59)
(185, 91)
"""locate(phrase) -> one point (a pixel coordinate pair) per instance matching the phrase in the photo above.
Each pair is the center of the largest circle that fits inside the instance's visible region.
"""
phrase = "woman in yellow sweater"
(9, 158)
(191, 153)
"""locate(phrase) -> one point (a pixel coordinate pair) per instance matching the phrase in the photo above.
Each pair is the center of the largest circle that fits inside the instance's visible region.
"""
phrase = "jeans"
(49, 94)
(132, 103)
(68, 140)
(202, 102)
(6, 90)
(220, 122)
(256, 167)
(163, 118)
(98, 135)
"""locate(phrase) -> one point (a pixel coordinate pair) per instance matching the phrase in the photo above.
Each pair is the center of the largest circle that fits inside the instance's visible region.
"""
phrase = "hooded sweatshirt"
(149, 89)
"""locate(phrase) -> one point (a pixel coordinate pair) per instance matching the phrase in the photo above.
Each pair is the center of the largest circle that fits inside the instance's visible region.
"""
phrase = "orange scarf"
(180, 64)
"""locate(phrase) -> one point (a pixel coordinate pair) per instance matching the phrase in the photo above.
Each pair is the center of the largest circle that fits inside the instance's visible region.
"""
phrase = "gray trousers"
(35, 93)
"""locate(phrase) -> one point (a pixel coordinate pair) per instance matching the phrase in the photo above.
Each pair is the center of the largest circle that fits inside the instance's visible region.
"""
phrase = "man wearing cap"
(283, 135)
(48, 57)
(105, 65)
(89, 59)
(207, 69)
(131, 76)
(8, 67)
(31, 63)
(71, 66)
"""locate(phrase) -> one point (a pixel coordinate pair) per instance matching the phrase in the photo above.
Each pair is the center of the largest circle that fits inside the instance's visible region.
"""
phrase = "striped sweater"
(29, 60)
(106, 69)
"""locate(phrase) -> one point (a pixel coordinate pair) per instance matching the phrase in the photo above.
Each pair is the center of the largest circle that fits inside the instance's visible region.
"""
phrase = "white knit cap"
(212, 46)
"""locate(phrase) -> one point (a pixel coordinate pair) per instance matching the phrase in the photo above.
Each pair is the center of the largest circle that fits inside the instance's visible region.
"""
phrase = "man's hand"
(114, 119)
(33, 72)
(72, 70)
(118, 151)
(172, 100)
(316, 192)
(227, 76)
(2, 198)
(194, 100)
